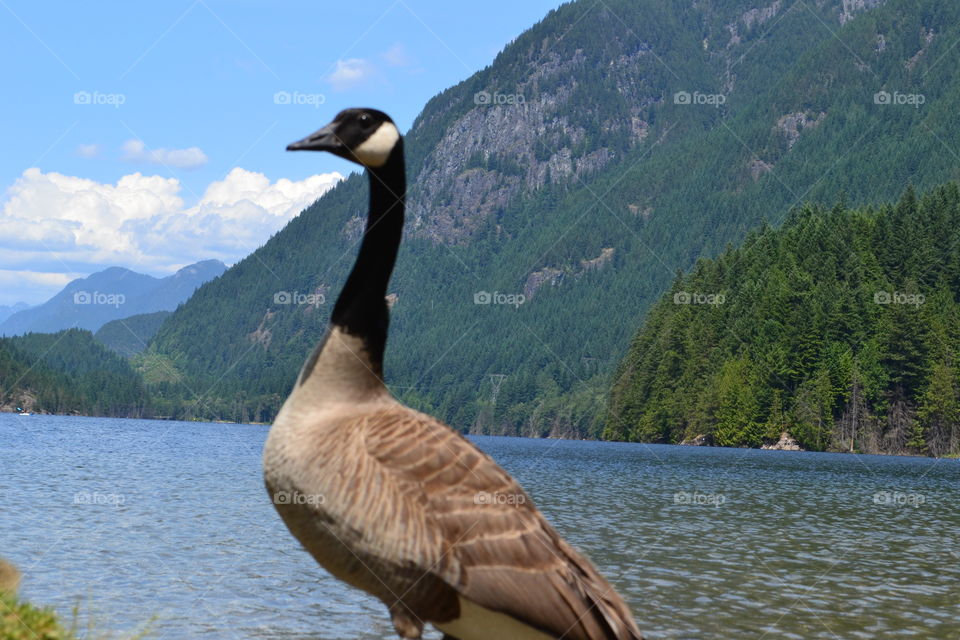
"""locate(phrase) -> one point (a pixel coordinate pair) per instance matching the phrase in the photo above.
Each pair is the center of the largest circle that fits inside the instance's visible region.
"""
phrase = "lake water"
(138, 519)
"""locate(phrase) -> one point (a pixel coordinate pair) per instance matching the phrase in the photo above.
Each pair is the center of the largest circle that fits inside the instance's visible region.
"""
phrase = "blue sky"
(152, 135)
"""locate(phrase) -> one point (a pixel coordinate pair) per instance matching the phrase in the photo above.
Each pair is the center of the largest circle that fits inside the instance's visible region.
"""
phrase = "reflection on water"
(141, 519)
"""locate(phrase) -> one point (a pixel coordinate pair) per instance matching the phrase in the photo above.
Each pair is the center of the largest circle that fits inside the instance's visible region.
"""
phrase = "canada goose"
(396, 503)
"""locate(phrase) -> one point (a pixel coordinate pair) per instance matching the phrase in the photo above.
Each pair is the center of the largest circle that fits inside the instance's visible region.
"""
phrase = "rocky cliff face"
(534, 133)
(515, 138)
(851, 8)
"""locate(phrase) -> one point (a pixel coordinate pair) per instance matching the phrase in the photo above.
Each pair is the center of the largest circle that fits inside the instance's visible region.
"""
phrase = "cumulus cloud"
(351, 73)
(136, 151)
(88, 150)
(55, 224)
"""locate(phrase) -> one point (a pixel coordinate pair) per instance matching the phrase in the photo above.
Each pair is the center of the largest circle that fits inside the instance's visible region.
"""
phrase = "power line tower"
(589, 364)
(496, 380)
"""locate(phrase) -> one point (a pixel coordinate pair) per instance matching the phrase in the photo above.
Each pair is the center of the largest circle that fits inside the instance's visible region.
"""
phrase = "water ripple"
(141, 519)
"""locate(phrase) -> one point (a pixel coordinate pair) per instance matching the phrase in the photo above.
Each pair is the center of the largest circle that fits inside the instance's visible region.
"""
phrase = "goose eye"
(364, 118)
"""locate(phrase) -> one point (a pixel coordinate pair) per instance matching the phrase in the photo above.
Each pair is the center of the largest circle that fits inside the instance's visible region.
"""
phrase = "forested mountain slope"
(68, 372)
(129, 336)
(842, 328)
(604, 149)
(111, 294)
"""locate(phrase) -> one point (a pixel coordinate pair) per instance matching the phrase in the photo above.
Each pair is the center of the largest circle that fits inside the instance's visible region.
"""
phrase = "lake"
(140, 519)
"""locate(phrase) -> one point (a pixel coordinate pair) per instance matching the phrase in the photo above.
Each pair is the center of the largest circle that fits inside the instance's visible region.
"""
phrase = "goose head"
(365, 136)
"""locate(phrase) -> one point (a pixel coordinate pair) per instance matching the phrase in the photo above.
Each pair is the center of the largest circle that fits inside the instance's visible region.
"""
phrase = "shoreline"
(665, 444)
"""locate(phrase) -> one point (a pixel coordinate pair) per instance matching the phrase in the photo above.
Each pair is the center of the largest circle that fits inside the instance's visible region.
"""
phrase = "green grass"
(23, 621)
(156, 368)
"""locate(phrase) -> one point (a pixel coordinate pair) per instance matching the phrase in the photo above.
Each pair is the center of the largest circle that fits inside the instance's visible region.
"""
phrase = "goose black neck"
(361, 309)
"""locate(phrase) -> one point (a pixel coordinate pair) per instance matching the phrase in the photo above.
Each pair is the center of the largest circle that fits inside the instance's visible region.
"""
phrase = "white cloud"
(350, 73)
(88, 150)
(32, 287)
(357, 72)
(136, 151)
(397, 56)
(59, 224)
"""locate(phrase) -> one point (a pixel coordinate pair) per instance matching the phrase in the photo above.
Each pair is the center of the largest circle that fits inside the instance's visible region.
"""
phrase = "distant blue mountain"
(111, 294)
(8, 310)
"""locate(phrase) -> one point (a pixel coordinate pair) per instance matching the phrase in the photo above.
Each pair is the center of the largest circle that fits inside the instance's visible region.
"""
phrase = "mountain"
(129, 336)
(8, 310)
(88, 303)
(555, 194)
(68, 372)
(842, 328)
(177, 288)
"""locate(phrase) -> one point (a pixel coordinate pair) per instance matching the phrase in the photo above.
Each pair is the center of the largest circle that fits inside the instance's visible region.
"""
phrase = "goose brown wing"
(498, 550)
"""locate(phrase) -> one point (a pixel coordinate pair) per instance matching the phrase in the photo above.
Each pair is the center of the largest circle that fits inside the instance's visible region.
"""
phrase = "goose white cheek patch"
(375, 150)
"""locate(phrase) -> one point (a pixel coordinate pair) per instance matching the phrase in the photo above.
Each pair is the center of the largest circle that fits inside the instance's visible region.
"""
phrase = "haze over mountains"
(111, 294)
(7, 310)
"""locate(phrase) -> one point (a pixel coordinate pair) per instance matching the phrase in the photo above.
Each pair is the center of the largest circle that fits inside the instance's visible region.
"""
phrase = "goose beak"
(323, 140)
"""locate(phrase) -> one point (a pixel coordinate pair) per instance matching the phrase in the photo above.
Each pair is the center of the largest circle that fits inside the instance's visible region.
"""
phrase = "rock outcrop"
(555, 277)
(850, 8)
(792, 125)
(700, 440)
(785, 443)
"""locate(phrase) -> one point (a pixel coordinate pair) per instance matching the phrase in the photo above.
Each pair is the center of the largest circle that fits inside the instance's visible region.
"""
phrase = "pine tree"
(939, 413)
